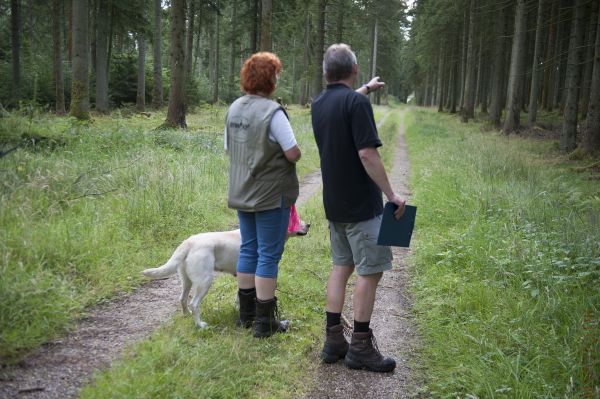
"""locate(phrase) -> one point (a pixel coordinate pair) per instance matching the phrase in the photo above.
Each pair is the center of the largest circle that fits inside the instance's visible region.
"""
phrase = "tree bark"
(102, 56)
(440, 78)
(216, 58)
(254, 31)
(562, 47)
(537, 66)
(176, 111)
(189, 51)
(59, 83)
(588, 60)
(515, 81)
(374, 53)
(463, 59)
(141, 80)
(568, 137)
(80, 101)
(15, 25)
(340, 21)
(468, 106)
(319, 50)
(591, 135)
(157, 89)
(232, 46)
(549, 73)
(266, 17)
(304, 78)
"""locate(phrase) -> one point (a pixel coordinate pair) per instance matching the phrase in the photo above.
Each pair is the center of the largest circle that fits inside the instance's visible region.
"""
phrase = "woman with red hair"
(263, 186)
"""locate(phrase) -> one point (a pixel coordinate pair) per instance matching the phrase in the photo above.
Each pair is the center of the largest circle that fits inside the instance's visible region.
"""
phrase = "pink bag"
(294, 225)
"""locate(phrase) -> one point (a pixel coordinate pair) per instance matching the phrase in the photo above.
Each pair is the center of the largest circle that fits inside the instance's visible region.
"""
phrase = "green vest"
(260, 177)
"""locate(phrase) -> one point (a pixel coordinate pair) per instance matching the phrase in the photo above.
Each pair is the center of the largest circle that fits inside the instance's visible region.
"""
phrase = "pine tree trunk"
(189, 49)
(536, 70)
(197, 67)
(374, 54)
(141, 80)
(479, 83)
(293, 88)
(157, 89)
(591, 135)
(515, 81)
(254, 32)
(216, 58)
(568, 137)
(463, 62)
(319, 49)
(266, 17)
(440, 76)
(15, 27)
(304, 78)
(59, 84)
(557, 57)
(588, 61)
(69, 17)
(497, 76)
(548, 60)
(562, 48)
(339, 33)
(80, 85)
(102, 57)
(232, 46)
(176, 111)
(468, 106)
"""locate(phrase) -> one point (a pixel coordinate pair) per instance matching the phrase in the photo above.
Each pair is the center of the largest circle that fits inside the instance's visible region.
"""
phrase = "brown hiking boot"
(336, 346)
(267, 320)
(364, 354)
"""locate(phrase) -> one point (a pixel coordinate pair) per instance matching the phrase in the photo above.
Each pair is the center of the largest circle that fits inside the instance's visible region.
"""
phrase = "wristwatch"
(366, 86)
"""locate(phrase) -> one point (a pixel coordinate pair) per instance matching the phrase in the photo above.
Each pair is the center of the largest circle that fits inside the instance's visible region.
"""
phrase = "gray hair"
(338, 61)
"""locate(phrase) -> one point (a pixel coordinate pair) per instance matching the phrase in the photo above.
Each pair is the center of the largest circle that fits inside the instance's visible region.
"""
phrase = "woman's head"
(259, 73)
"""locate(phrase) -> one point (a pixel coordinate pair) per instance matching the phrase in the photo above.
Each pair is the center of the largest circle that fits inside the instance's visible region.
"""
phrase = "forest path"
(58, 369)
(392, 321)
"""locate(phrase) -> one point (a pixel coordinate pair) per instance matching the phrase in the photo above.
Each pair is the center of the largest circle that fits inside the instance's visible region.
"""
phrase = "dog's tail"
(171, 266)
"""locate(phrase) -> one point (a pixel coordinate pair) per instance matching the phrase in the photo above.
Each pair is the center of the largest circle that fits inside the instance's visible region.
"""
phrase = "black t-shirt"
(343, 124)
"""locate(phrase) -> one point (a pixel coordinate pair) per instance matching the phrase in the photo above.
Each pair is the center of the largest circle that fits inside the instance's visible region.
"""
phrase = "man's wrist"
(367, 88)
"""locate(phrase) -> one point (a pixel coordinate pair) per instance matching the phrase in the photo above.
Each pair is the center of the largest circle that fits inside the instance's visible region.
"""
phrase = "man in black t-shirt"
(353, 180)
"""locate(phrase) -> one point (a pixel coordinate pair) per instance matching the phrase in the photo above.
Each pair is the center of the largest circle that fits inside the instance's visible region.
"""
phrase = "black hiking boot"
(266, 322)
(335, 346)
(247, 308)
(364, 354)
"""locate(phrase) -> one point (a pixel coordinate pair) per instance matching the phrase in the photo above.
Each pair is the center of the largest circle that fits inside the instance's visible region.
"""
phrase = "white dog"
(197, 258)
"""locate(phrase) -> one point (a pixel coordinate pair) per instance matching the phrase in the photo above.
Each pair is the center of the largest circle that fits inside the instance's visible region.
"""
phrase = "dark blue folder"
(394, 232)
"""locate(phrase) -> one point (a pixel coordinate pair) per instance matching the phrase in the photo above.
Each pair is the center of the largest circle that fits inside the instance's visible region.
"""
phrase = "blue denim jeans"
(263, 240)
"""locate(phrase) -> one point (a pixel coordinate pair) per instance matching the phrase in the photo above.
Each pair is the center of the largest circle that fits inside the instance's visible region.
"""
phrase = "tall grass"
(85, 206)
(507, 264)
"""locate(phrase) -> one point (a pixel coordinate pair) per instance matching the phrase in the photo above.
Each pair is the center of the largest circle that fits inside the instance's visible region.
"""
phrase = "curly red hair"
(259, 73)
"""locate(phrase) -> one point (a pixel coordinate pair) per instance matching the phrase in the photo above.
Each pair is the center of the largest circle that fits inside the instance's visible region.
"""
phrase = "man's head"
(339, 63)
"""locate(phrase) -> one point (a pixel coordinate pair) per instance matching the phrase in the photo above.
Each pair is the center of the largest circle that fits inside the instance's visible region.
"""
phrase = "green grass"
(113, 197)
(507, 264)
(91, 204)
